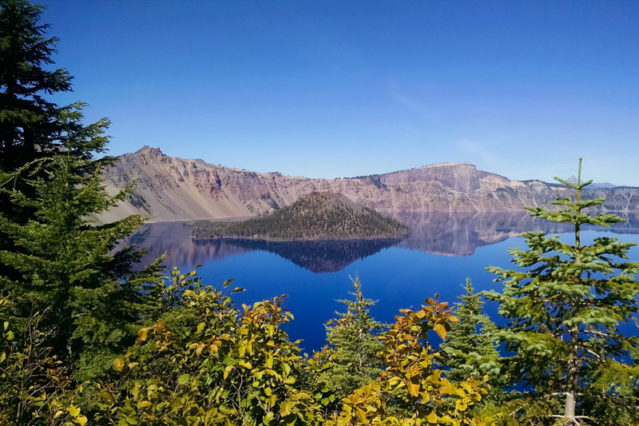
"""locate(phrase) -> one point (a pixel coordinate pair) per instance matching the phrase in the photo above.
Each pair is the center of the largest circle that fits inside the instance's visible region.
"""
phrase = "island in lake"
(313, 217)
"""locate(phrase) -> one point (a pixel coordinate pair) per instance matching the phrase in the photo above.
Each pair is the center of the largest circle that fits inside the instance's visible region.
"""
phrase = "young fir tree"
(68, 266)
(565, 306)
(469, 350)
(355, 357)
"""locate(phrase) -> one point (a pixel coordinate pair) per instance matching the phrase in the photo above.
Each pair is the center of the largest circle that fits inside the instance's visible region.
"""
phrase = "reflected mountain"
(450, 234)
(460, 234)
(174, 239)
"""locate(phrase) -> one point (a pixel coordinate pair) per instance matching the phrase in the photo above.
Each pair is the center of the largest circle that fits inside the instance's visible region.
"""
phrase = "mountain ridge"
(174, 189)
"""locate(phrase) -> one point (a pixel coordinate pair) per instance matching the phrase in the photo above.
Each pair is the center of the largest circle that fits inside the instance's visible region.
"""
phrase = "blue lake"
(441, 252)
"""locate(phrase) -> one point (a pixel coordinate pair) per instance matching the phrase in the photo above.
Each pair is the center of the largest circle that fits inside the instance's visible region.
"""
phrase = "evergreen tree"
(355, 357)
(53, 260)
(29, 124)
(468, 350)
(67, 265)
(565, 305)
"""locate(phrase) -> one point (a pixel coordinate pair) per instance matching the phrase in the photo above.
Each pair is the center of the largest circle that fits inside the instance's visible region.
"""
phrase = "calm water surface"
(442, 250)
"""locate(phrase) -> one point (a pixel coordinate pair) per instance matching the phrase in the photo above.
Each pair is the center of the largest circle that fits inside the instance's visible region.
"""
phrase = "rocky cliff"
(172, 189)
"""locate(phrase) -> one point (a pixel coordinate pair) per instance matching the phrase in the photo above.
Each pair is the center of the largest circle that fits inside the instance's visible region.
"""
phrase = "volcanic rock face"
(173, 189)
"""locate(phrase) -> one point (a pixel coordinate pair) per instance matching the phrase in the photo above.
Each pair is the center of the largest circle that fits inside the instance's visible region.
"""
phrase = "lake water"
(441, 251)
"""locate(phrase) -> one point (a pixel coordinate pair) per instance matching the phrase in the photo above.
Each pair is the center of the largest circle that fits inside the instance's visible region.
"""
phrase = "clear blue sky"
(346, 88)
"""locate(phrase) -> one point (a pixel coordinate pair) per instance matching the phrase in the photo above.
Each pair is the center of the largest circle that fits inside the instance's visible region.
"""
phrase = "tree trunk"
(569, 410)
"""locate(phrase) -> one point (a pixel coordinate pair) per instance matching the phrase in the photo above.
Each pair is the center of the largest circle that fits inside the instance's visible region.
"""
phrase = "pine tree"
(565, 305)
(355, 357)
(29, 125)
(469, 350)
(67, 265)
(53, 260)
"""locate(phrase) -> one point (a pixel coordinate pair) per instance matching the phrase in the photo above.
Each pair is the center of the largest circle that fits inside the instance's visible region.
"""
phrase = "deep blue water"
(435, 259)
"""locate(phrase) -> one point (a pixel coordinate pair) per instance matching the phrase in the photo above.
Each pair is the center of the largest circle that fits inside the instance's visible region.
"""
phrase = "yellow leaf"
(285, 408)
(227, 370)
(201, 326)
(412, 371)
(413, 388)
(73, 410)
(272, 400)
(81, 420)
(118, 364)
(361, 415)
(269, 361)
(199, 349)
(432, 417)
(144, 404)
(143, 334)
(447, 388)
(461, 405)
(440, 330)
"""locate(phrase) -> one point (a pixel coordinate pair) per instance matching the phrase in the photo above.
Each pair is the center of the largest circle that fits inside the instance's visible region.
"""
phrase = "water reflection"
(174, 240)
(319, 256)
(451, 234)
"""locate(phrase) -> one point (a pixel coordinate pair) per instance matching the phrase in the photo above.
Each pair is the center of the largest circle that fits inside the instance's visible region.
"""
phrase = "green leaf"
(184, 379)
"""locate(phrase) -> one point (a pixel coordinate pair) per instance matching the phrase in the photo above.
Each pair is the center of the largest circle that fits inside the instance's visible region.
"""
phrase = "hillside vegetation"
(317, 216)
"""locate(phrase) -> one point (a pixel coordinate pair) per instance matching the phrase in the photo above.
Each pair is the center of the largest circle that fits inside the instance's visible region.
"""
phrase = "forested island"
(86, 339)
(316, 216)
